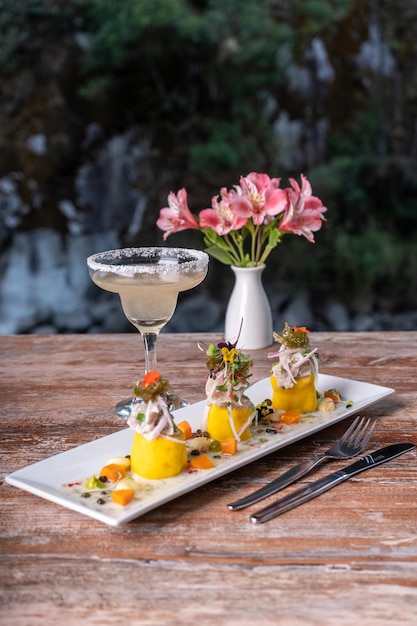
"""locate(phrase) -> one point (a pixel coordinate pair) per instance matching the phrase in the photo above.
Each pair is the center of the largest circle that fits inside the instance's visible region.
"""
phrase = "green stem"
(236, 252)
(259, 245)
(265, 255)
(254, 243)
(270, 246)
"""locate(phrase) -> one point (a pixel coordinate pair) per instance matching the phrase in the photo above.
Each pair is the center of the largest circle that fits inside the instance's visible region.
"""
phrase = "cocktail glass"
(148, 281)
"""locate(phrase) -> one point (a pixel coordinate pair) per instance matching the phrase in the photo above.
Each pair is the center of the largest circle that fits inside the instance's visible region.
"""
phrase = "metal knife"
(287, 478)
(323, 484)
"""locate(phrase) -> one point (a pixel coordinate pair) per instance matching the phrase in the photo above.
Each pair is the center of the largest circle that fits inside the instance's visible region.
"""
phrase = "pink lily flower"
(246, 222)
(177, 216)
(258, 197)
(220, 217)
(304, 212)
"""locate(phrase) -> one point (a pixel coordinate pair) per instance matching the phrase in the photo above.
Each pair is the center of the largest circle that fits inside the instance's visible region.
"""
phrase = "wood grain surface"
(347, 557)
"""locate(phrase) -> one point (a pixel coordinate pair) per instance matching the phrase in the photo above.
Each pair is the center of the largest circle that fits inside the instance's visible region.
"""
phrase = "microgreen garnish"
(293, 337)
(225, 356)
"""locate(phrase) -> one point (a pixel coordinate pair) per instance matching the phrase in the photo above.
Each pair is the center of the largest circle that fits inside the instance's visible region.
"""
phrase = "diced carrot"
(150, 378)
(185, 427)
(229, 446)
(123, 496)
(202, 461)
(333, 394)
(290, 417)
(113, 472)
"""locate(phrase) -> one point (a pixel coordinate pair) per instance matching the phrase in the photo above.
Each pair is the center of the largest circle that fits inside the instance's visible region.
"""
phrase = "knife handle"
(298, 497)
(290, 476)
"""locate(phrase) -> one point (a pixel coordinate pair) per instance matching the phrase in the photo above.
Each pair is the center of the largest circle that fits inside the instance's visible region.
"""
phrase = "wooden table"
(347, 557)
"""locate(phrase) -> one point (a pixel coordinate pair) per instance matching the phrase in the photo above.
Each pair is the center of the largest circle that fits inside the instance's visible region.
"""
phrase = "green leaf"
(212, 238)
(212, 350)
(221, 387)
(220, 255)
(274, 238)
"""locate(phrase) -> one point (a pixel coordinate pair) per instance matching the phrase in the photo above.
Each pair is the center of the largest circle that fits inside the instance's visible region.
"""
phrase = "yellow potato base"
(301, 398)
(158, 458)
(218, 425)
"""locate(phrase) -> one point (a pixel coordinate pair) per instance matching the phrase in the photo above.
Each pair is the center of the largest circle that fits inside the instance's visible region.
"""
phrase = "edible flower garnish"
(232, 365)
(295, 358)
(229, 355)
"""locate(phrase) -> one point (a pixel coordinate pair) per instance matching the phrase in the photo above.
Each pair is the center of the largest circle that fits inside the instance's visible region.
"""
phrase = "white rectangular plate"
(50, 478)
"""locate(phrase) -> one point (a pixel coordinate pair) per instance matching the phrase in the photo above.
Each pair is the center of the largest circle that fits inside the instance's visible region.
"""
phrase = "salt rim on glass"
(176, 259)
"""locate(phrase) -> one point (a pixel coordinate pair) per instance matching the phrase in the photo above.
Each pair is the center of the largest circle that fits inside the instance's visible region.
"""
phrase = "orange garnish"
(201, 462)
(122, 496)
(185, 427)
(333, 395)
(302, 328)
(229, 446)
(150, 378)
(113, 472)
(290, 417)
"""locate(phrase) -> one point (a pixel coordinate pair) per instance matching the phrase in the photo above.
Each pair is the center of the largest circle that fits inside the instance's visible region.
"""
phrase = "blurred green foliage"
(204, 67)
(26, 24)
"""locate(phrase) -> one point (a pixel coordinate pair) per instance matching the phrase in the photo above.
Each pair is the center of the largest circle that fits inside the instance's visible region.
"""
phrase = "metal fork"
(349, 445)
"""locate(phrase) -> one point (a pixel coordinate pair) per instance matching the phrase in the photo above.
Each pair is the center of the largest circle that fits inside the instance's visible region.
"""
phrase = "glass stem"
(150, 339)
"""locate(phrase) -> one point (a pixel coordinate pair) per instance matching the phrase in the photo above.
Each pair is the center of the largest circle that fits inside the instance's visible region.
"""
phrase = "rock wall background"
(79, 175)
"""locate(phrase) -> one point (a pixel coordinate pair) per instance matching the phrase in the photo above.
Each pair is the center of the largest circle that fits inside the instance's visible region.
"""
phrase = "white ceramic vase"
(249, 306)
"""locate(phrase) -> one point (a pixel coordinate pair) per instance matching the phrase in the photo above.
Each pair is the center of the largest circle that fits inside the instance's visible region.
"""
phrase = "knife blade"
(287, 478)
(328, 482)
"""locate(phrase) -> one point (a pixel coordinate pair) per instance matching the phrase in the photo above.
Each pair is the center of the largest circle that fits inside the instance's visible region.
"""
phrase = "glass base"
(124, 407)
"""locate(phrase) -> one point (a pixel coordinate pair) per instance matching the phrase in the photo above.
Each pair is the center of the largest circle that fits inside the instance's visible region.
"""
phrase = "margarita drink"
(149, 299)
(148, 281)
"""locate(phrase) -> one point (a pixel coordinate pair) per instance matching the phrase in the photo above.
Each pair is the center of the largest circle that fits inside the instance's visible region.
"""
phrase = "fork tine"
(369, 434)
(361, 437)
(358, 434)
(356, 423)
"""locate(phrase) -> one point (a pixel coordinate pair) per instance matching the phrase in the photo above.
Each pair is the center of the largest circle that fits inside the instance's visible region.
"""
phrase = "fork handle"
(290, 476)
